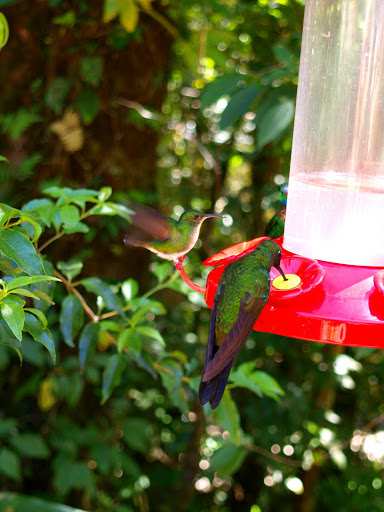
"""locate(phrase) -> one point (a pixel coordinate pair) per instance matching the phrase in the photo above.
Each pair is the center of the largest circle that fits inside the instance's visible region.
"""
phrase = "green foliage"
(4, 30)
(101, 350)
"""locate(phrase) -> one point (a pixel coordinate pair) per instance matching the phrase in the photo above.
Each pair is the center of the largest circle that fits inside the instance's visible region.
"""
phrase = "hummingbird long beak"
(281, 272)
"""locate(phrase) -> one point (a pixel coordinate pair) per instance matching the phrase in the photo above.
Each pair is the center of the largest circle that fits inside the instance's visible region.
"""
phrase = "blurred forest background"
(177, 104)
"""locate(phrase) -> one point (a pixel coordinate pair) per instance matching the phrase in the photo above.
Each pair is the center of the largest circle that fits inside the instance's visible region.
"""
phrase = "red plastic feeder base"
(334, 303)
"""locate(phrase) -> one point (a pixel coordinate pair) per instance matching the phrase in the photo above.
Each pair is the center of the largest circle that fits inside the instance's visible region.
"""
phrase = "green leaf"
(72, 475)
(20, 282)
(162, 270)
(129, 289)
(111, 376)
(220, 87)
(130, 340)
(227, 417)
(228, 459)
(239, 104)
(109, 208)
(24, 293)
(98, 287)
(151, 332)
(39, 315)
(15, 123)
(71, 268)
(4, 30)
(16, 246)
(171, 374)
(43, 336)
(18, 503)
(68, 19)
(42, 208)
(111, 10)
(87, 340)
(274, 121)
(3, 158)
(69, 214)
(9, 464)
(91, 70)
(78, 196)
(56, 94)
(79, 227)
(129, 15)
(12, 311)
(71, 319)
(138, 434)
(30, 445)
(105, 193)
(88, 105)
(261, 383)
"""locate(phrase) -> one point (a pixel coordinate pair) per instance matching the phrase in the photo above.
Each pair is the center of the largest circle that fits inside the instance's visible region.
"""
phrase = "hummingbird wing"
(149, 224)
(213, 390)
(250, 308)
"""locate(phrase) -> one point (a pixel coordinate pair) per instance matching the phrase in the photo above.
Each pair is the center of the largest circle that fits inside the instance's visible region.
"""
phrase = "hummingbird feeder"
(333, 244)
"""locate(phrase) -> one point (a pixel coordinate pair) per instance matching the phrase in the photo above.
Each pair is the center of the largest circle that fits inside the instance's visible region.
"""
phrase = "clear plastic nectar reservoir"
(335, 208)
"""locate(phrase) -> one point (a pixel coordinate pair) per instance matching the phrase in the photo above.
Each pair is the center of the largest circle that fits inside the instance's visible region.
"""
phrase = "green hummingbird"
(275, 227)
(241, 295)
(167, 238)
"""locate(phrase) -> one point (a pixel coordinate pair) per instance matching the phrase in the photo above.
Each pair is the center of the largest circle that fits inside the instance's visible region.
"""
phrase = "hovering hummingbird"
(275, 227)
(167, 238)
(241, 295)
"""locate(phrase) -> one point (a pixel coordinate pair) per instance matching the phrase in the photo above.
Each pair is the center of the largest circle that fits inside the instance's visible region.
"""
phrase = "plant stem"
(71, 289)
(157, 288)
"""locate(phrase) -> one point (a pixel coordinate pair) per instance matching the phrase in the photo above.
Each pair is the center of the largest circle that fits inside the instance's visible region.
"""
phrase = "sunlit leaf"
(259, 382)
(12, 311)
(16, 246)
(111, 10)
(20, 282)
(71, 268)
(129, 15)
(129, 289)
(4, 30)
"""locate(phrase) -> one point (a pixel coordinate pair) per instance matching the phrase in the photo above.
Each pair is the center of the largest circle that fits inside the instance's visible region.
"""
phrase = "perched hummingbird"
(241, 295)
(167, 238)
(275, 227)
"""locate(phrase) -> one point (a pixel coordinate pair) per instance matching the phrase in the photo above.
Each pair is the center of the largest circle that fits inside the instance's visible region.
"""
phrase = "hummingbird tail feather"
(212, 391)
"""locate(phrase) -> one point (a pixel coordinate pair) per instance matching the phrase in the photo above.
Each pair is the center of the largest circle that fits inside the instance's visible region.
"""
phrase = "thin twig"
(50, 240)
(163, 21)
(71, 289)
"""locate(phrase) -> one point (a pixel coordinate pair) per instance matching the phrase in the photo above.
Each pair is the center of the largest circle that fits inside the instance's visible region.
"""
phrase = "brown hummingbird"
(167, 238)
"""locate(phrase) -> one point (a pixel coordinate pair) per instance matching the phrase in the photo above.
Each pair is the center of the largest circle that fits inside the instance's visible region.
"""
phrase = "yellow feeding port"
(292, 281)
